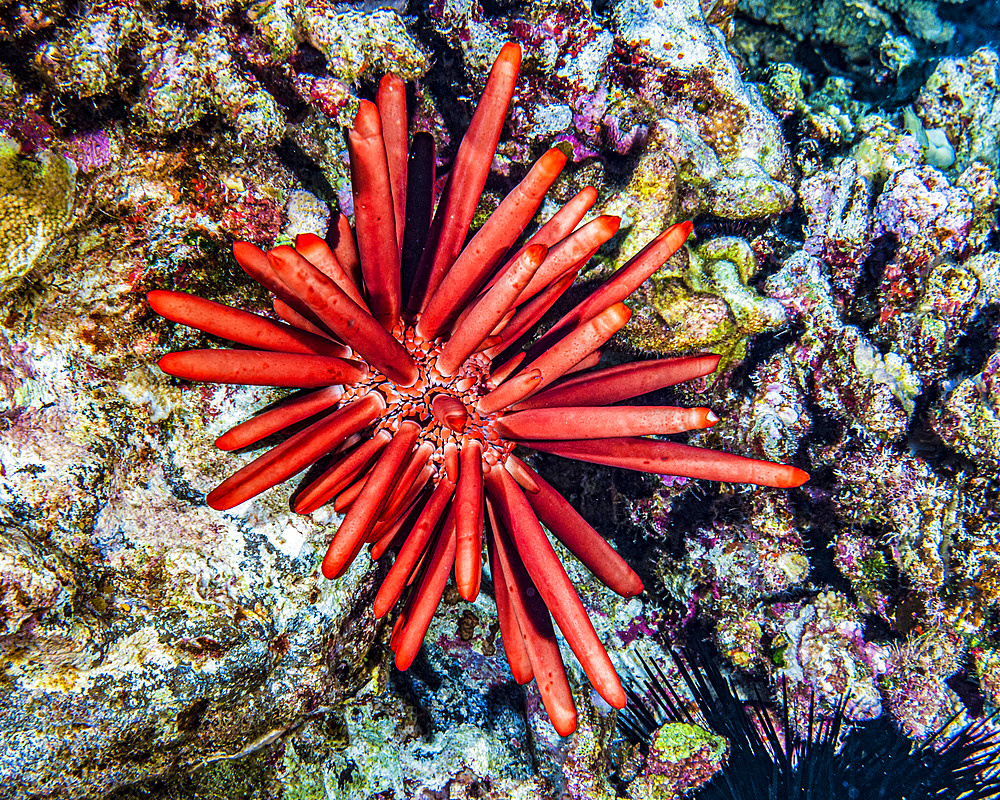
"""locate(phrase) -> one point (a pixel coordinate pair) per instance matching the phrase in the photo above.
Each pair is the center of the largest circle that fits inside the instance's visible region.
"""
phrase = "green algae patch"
(681, 757)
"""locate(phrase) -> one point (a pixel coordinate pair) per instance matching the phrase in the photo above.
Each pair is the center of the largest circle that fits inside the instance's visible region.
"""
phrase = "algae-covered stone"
(856, 26)
(84, 58)
(36, 203)
(702, 301)
(360, 43)
(962, 99)
(187, 78)
(8, 88)
(681, 757)
(32, 585)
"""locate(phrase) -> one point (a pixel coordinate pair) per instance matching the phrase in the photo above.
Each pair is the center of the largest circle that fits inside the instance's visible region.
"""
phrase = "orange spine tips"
(510, 57)
(794, 477)
(682, 231)
(367, 121)
(450, 412)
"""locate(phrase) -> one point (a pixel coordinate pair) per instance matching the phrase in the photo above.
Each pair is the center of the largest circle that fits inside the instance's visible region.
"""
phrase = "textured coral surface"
(839, 160)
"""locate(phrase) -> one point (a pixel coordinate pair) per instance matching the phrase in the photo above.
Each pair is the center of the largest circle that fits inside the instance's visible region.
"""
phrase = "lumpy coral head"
(426, 378)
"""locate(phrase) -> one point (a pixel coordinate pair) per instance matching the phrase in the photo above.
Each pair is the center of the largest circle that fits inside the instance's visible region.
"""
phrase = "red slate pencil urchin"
(414, 342)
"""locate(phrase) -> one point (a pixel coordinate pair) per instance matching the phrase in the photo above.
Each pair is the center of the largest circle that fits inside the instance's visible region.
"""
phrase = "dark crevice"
(976, 345)
(306, 170)
(863, 309)
(761, 348)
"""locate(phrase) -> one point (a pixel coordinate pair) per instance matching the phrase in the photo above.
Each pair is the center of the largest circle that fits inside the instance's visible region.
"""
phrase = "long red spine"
(671, 458)
(375, 214)
(553, 585)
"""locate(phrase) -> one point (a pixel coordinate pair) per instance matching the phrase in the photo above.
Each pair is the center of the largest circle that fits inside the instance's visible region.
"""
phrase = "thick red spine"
(585, 422)
(428, 596)
(621, 382)
(295, 453)
(318, 253)
(554, 586)
(238, 326)
(391, 102)
(342, 315)
(262, 368)
(471, 168)
(365, 510)
(375, 215)
(491, 242)
(414, 546)
(671, 458)
(510, 630)
(278, 418)
(579, 537)
(538, 634)
(340, 475)
(469, 520)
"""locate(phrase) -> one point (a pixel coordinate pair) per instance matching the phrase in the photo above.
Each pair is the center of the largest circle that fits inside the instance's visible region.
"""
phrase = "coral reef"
(961, 100)
(885, 374)
(839, 162)
(823, 657)
(186, 77)
(858, 29)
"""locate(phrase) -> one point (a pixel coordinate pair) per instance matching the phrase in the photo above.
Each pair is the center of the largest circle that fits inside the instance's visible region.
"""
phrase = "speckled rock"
(32, 585)
(681, 757)
(823, 656)
(969, 418)
(188, 77)
(962, 98)
(916, 682)
(85, 57)
(690, 78)
(856, 27)
(360, 43)
(882, 148)
(929, 219)
(838, 204)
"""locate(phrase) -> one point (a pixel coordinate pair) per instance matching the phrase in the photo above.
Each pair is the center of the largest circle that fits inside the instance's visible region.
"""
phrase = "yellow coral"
(36, 203)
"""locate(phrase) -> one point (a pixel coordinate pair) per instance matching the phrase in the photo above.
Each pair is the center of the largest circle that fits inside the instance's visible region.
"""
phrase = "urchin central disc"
(450, 412)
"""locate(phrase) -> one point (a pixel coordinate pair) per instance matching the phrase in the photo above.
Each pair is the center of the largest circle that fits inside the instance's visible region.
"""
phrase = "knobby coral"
(419, 348)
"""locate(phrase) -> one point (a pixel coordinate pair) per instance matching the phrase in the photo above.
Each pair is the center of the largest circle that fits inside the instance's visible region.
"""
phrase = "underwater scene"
(499, 399)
